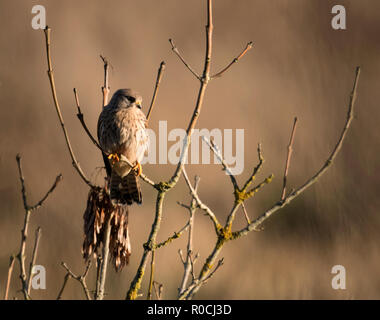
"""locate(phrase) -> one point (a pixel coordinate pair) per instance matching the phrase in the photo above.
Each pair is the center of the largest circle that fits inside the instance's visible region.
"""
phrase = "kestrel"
(122, 135)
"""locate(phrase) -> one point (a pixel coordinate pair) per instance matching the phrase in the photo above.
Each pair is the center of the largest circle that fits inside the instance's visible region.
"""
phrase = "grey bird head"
(126, 98)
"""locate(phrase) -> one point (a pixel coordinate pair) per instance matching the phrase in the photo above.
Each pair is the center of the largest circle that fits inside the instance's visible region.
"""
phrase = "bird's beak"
(138, 104)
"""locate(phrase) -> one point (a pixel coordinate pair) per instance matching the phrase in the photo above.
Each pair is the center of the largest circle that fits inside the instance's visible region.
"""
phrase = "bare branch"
(197, 283)
(81, 119)
(81, 279)
(176, 235)
(235, 60)
(24, 232)
(105, 93)
(256, 169)
(220, 263)
(215, 149)
(245, 213)
(175, 50)
(105, 87)
(290, 151)
(148, 181)
(133, 291)
(181, 256)
(200, 204)
(183, 205)
(158, 81)
(52, 188)
(187, 264)
(99, 295)
(22, 180)
(158, 291)
(65, 280)
(257, 222)
(151, 280)
(34, 257)
(198, 107)
(75, 163)
(10, 270)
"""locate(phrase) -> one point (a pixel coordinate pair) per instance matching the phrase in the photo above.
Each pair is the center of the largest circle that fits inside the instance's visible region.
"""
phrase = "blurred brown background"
(299, 66)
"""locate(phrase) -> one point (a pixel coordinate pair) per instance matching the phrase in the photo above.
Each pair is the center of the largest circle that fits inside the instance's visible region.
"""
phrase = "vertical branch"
(34, 257)
(290, 151)
(105, 92)
(188, 261)
(151, 279)
(204, 82)
(148, 247)
(24, 231)
(103, 265)
(105, 87)
(10, 270)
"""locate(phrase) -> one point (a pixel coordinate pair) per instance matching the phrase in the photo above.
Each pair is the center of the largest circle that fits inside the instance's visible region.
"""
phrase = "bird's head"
(126, 98)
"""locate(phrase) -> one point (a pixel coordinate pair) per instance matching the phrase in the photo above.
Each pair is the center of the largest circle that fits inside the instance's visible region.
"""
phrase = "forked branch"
(26, 279)
(81, 279)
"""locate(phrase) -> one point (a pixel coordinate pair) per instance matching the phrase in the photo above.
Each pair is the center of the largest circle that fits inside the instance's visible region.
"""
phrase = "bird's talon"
(138, 169)
(114, 157)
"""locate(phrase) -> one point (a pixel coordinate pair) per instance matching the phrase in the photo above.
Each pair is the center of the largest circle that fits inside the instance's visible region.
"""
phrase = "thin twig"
(41, 202)
(175, 50)
(75, 163)
(105, 93)
(176, 235)
(10, 270)
(245, 213)
(34, 257)
(200, 204)
(187, 267)
(181, 256)
(216, 150)
(198, 282)
(81, 119)
(235, 60)
(105, 87)
(350, 114)
(220, 263)
(24, 232)
(290, 151)
(158, 81)
(81, 279)
(190, 255)
(255, 170)
(158, 291)
(65, 280)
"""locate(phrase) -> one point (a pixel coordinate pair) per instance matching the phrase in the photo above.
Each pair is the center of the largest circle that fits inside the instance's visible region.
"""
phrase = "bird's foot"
(137, 168)
(114, 157)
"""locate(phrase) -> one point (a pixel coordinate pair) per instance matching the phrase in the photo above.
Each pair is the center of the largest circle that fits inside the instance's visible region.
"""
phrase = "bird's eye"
(131, 99)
